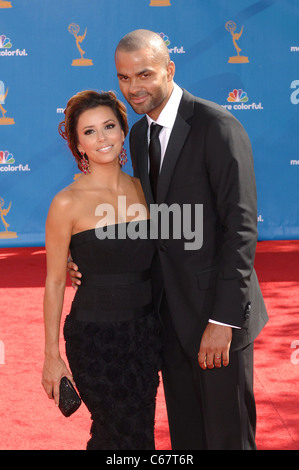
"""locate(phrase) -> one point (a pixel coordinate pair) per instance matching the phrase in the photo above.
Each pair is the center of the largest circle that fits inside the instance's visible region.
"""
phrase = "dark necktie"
(154, 152)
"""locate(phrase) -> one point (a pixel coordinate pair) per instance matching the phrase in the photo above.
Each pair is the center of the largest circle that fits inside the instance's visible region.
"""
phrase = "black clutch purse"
(69, 400)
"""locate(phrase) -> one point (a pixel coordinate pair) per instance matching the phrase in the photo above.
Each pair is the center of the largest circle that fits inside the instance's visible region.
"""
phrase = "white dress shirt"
(166, 119)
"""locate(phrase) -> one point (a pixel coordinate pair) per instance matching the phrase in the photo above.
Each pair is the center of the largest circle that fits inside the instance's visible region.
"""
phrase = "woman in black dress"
(112, 332)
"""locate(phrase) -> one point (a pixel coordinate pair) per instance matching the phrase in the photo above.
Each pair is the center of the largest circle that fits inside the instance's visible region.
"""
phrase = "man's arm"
(230, 165)
(231, 173)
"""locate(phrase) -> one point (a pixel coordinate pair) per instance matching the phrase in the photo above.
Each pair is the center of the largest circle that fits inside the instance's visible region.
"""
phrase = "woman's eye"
(88, 131)
(110, 126)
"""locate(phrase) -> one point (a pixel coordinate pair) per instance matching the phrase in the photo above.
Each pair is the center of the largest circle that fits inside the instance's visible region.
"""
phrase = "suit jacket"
(208, 162)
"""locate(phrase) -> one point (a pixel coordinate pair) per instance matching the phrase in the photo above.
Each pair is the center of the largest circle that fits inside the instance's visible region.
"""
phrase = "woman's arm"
(58, 234)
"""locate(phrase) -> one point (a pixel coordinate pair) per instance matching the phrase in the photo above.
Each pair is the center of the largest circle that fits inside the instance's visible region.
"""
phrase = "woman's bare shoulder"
(64, 198)
(68, 195)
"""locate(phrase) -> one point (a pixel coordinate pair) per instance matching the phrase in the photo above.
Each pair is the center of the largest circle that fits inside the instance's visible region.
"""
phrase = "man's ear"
(170, 71)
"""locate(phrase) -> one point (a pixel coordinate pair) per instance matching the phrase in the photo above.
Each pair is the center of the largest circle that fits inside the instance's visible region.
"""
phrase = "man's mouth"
(138, 99)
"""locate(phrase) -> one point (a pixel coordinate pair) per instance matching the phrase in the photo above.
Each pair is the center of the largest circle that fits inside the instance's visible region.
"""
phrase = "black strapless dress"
(113, 337)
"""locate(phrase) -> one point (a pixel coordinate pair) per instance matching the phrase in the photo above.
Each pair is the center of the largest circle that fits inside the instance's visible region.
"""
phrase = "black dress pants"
(211, 409)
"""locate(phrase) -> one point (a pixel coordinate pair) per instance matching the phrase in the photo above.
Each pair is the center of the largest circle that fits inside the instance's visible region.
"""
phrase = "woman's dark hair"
(81, 102)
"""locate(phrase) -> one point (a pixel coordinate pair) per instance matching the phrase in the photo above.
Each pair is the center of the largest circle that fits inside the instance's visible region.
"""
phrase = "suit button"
(247, 310)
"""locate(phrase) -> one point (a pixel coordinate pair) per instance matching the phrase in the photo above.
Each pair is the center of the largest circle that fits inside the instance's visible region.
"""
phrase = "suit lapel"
(176, 142)
(177, 139)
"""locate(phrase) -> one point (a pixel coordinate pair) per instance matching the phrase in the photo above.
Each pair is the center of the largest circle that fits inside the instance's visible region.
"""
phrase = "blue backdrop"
(243, 54)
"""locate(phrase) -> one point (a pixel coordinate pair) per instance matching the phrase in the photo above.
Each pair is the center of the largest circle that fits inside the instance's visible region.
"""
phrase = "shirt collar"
(169, 112)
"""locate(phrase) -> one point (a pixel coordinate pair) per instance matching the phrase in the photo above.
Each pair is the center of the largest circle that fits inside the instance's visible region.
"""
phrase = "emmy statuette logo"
(238, 59)
(4, 4)
(160, 3)
(3, 94)
(74, 29)
(3, 213)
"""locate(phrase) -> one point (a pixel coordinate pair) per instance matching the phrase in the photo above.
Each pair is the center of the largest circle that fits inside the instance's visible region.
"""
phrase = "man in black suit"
(212, 308)
(210, 301)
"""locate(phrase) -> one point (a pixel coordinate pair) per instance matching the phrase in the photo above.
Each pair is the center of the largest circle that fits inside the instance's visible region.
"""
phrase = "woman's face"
(99, 135)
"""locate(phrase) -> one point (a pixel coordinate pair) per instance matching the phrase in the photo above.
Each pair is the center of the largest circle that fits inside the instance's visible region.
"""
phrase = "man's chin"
(140, 109)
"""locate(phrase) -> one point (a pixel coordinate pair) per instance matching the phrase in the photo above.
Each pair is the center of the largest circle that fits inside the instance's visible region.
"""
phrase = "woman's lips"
(105, 149)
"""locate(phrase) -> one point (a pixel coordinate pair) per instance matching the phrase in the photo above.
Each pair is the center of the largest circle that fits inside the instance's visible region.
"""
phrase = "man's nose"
(134, 87)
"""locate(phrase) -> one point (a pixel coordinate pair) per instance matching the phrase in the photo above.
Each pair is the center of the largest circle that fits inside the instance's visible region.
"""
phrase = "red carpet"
(30, 421)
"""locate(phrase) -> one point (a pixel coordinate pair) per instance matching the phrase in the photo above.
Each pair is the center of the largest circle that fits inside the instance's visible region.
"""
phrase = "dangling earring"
(84, 164)
(123, 157)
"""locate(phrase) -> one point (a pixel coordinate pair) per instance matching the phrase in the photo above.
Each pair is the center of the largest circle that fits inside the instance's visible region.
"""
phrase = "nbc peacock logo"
(165, 39)
(7, 161)
(6, 48)
(237, 96)
(5, 42)
(6, 157)
(238, 100)
(174, 49)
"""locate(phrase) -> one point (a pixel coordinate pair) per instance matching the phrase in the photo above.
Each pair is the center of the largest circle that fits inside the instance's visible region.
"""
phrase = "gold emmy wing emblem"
(160, 3)
(4, 120)
(238, 59)
(3, 213)
(74, 29)
(4, 4)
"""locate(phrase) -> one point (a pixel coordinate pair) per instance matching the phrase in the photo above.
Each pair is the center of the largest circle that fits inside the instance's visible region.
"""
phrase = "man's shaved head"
(144, 39)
